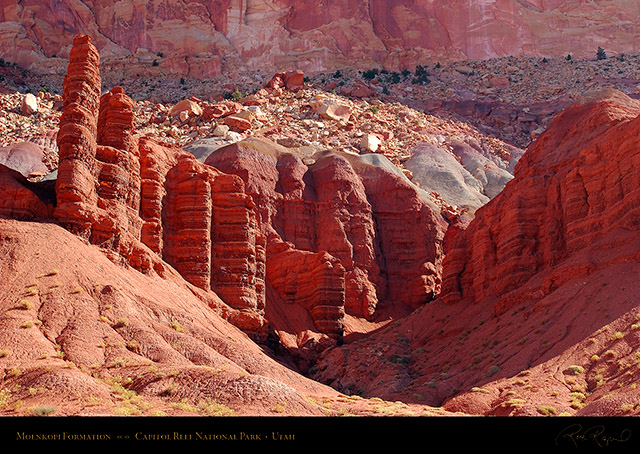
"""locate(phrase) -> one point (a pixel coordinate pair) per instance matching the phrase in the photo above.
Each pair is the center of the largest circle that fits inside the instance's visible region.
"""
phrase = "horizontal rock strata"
(576, 185)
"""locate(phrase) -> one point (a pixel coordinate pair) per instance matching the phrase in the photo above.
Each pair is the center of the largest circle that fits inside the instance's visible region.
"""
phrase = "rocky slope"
(537, 313)
(205, 38)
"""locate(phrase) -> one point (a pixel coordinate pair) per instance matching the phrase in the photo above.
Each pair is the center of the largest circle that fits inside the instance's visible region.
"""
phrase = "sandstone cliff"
(204, 38)
(538, 290)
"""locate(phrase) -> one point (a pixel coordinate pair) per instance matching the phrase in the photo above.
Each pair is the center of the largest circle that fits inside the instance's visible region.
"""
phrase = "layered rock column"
(145, 203)
(76, 188)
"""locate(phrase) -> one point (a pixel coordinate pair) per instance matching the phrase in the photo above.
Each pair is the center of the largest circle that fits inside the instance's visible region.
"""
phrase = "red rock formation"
(148, 203)
(576, 185)
(205, 38)
(75, 187)
(315, 281)
(539, 295)
(21, 199)
(355, 212)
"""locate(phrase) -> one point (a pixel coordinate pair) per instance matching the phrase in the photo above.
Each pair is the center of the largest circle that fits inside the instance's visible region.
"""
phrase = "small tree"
(600, 54)
(370, 74)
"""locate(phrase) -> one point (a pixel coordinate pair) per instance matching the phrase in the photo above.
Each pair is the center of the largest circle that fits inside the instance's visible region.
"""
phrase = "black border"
(330, 432)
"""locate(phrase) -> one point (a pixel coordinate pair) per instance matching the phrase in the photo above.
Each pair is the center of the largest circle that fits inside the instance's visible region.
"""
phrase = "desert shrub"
(42, 410)
(421, 76)
(576, 370)
(547, 410)
(370, 74)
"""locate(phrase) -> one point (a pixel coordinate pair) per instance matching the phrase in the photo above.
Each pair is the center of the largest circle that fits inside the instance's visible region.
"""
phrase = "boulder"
(29, 104)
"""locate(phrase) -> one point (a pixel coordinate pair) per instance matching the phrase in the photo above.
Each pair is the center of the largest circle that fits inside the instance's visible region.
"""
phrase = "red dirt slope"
(80, 335)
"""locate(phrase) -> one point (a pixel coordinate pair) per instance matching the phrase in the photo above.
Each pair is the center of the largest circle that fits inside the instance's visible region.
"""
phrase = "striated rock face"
(539, 289)
(313, 281)
(576, 187)
(337, 206)
(203, 38)
(148, 203)
(75, 187)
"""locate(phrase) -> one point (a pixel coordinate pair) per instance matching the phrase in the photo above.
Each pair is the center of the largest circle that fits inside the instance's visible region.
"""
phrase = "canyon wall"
(575, 188)
(204, 38)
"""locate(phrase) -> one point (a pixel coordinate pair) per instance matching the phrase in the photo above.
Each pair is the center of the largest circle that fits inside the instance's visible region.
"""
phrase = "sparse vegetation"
(370, 74)
(42, 410)
(212, 408)
(177, 326)
(617, 335)
(577, 400)
(515, 402)
(93, 401)
(575, 370)
(626, 407)
(480, 390)
(400, 359)
(5, 394)
(547, 410)
(121, 322)
(421, 76)
(25, 304)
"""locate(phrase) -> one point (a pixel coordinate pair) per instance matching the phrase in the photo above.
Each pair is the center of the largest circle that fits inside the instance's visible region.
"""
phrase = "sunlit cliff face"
(272, 34)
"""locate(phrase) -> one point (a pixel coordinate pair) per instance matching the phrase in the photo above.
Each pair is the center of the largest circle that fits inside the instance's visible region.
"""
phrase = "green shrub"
(576, 370)
(370, 74)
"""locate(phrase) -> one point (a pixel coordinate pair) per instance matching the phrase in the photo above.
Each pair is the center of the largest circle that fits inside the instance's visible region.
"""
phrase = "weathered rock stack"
(75, 188)
(149, 203)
